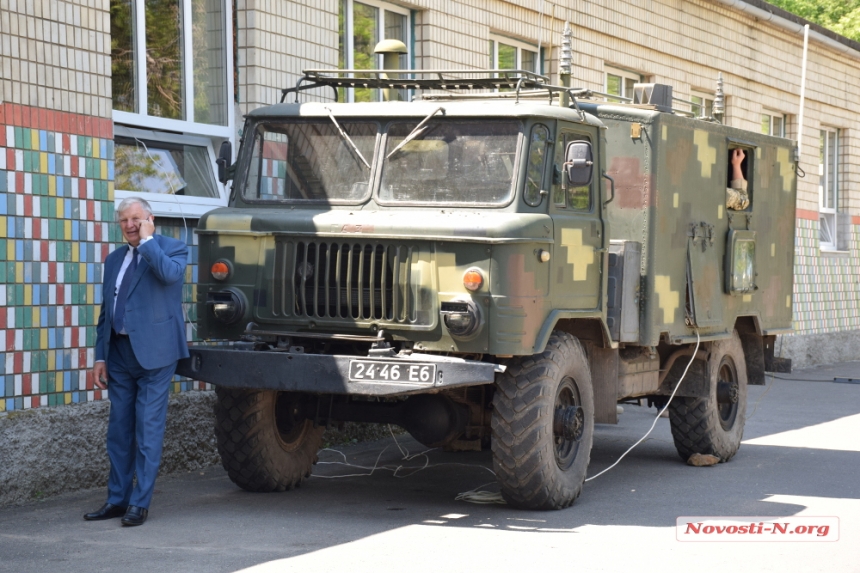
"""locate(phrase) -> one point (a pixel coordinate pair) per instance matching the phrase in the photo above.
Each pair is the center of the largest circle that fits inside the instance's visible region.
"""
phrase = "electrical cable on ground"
(654, 423)
(480, 496)
(394, 469)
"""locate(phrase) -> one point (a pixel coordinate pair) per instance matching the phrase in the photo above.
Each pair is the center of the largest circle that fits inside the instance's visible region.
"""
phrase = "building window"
(169, 73)
(828, 187)
(173, 172)
(507, 54)
(620, 83)
(362, 25)
(773, 123)
(703, 104)
(169, 59)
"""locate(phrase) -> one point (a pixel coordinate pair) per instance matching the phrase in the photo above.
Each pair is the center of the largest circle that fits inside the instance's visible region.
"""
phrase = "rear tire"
(714, 425)
(543, 426)
(262, 447)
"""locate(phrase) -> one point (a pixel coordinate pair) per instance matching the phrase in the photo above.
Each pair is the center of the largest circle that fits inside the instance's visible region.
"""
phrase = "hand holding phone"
(147, 227)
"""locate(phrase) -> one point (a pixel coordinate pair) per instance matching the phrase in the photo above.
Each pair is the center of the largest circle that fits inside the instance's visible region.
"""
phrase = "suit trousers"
(138, 412)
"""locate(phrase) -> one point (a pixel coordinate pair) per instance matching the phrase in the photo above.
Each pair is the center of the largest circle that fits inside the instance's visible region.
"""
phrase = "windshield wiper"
(419, 129)
(346, 138)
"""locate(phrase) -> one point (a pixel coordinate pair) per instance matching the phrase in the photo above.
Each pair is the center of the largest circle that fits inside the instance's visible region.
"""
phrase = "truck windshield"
(310, 161)
(458, 162)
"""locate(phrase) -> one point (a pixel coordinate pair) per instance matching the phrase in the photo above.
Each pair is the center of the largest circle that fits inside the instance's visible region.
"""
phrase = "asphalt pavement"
(393, 507)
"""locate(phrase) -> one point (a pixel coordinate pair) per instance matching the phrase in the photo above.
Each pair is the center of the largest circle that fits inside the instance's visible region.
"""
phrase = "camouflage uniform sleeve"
(736, 195)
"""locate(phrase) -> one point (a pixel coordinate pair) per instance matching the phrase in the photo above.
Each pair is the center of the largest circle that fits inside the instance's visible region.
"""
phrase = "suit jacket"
(153, 319)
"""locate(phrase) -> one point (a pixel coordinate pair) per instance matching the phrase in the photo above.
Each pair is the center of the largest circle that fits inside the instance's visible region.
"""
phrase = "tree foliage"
(841, 16)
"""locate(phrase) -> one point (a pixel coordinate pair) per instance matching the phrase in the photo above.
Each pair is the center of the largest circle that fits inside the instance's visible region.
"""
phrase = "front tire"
(714, 425)
(543, 426)
(262, 447)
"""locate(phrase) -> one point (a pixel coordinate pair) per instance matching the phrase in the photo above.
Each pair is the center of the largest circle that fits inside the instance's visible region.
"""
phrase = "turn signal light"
(220, 270)
(473, 279)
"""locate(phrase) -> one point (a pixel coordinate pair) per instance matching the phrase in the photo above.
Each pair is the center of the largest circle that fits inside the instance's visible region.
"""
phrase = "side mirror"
(578, 163)
(225, 157)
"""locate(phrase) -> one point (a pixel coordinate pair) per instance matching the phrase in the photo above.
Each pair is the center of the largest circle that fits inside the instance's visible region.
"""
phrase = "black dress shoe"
(134, 516)
(107, 511)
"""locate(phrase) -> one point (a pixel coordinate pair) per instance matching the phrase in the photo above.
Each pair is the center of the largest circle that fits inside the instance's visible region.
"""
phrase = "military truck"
(498, 263)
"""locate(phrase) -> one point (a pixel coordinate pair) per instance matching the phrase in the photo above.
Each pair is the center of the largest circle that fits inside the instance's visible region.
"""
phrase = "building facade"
(102, 99)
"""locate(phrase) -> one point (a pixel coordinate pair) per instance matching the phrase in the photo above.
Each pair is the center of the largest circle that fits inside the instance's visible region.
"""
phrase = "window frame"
(168, 204)
(828, 213)
(624, 75)
(152, 127)
(521, 149)
(770, 114)
(707, 102)
(241, 181)
(349, 43)
(519, 45)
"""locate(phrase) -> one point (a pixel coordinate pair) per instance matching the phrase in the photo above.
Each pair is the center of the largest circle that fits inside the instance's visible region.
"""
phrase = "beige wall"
(684, 43)
(56, 55)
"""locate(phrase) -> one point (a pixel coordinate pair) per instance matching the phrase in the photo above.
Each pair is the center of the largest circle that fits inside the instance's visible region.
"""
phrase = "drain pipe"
(802, 93)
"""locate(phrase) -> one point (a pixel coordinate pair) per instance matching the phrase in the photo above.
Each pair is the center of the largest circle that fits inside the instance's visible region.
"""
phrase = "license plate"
(391, 372)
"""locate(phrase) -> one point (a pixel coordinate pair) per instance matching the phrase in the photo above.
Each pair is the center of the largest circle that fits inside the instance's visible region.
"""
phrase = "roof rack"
(417, 79)
(453, 83)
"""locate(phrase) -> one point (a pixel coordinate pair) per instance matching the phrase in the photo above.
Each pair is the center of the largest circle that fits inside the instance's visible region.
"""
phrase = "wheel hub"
(727, 392)
(569, 423)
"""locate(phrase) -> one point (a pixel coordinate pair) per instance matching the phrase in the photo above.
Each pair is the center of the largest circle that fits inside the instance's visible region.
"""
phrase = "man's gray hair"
(128, 202)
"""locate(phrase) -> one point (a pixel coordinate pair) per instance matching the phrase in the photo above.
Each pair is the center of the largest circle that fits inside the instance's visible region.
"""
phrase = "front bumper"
(323, 373)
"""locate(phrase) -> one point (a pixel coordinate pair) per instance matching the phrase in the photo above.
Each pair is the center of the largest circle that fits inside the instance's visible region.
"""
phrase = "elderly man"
(140, 338)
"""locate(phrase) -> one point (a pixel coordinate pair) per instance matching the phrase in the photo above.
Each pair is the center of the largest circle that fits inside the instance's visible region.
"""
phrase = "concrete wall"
(47, 451)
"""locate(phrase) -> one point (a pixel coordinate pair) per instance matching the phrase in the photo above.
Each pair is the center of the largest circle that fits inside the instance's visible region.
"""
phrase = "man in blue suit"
(140, 338)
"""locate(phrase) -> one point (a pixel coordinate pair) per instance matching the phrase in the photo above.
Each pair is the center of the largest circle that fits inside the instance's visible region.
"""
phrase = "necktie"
(122, 295)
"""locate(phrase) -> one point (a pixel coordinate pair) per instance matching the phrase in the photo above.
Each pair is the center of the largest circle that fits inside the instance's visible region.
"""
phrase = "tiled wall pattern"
(826, 291)
(55, 54)
(685, 45)
(276, 40)
(56, 228)
(56, 191)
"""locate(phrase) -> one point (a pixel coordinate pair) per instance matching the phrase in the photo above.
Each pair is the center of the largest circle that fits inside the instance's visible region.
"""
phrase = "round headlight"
(227, 306)
(461, 318)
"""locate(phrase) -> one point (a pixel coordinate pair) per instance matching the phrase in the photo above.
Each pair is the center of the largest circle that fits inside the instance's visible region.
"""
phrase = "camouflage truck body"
(488, 273)
(670, 197)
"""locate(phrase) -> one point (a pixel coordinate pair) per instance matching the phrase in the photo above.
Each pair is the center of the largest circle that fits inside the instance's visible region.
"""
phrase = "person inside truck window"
(737, 198)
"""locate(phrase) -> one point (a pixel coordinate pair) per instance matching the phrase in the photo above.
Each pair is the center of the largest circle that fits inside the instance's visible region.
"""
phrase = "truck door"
(577, 253)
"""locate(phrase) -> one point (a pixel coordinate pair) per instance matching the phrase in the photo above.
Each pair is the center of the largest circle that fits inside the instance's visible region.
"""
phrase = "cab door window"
(538, 144)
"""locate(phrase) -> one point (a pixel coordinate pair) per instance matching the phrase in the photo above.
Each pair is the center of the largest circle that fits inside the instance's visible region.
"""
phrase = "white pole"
(802, 92)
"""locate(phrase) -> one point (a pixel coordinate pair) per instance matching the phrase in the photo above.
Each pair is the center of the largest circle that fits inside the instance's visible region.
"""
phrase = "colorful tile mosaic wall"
(56, 190)
(56, 228)
(826, 292)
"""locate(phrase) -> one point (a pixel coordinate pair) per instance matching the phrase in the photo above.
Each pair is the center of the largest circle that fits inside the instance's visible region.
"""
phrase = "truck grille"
(350, 281)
